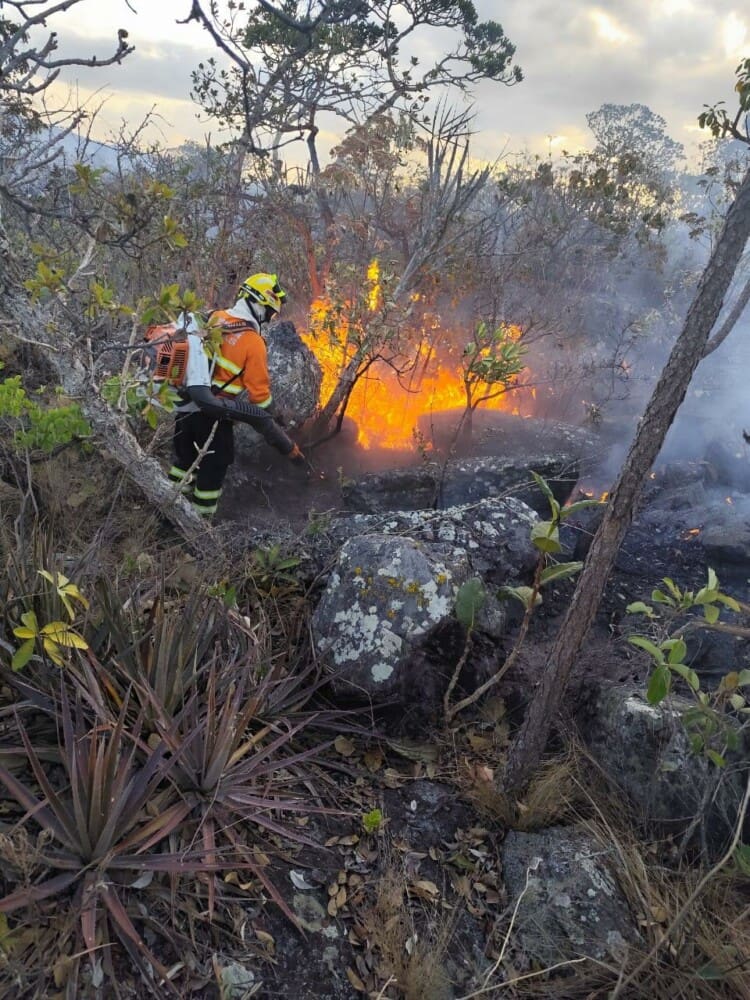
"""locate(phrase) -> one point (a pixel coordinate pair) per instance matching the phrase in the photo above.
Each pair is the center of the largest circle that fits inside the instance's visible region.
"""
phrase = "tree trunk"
(688, 350)
(729, 323)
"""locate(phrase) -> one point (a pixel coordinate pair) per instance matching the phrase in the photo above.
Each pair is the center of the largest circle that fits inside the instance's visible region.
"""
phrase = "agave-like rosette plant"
(239, 775)
(102, 836)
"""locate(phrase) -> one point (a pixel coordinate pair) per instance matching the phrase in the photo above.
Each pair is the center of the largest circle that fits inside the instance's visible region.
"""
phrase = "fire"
(729, 500)
(386, 406)
(692, 532)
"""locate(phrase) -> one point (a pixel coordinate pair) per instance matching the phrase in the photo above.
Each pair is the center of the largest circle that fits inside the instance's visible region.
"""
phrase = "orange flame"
(387, 407)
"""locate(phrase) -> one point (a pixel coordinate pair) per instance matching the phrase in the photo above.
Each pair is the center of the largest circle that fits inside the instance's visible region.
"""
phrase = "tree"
(666, 398)
(445, 196)
(46, 310)
(28, 70)
(490, 364)
(634, 130)
(291, 64)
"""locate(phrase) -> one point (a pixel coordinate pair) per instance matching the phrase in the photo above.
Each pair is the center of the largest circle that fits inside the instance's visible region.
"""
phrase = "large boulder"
(570, 904)
(493, 534)
(295, 372)
(295, 382)
(384, 598)
(644, 751)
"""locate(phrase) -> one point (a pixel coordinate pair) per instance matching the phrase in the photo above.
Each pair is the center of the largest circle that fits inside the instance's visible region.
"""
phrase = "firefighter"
(237, 390)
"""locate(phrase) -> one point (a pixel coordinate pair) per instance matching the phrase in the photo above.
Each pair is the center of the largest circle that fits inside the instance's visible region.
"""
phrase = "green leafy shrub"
(672, 614)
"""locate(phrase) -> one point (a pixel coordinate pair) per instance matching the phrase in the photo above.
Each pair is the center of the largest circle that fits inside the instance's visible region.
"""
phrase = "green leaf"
(546, 537)
(711, 613)
(713, 580)
(743, 678)
(22, 655)
(522, 594)
(543, 485)
(573, 508)
(728, 602)
(711, 973)
(716, 758)
(659, 597)
(706, 595)
(687, 674)
(658, 685)
(742, 858)
(643, 643)
(372, 821)
(470, 599)
(676, 649)
(560, 571)
(639, 608)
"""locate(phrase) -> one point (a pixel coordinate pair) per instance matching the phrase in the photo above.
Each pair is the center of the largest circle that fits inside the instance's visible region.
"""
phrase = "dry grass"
(412, 960)
(695, 937)
(553, 796)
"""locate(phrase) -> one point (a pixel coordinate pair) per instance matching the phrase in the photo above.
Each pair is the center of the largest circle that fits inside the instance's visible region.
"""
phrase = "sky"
(672, 55)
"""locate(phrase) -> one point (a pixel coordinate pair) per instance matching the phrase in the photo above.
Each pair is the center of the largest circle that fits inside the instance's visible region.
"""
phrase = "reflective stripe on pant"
(181, 476)
(192, 431)
(206, 501)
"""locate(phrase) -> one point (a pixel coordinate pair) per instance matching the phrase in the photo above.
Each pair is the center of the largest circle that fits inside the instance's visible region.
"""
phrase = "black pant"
(191, 431)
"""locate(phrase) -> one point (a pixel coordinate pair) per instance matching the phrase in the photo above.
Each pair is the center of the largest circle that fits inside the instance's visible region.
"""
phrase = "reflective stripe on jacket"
(241, 363)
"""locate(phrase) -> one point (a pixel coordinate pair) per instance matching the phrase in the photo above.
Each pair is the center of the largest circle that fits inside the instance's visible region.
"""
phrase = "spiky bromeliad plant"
(240, 777)
(102, 838)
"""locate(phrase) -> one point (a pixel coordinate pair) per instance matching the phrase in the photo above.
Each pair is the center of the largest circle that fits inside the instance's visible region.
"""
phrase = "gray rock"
(494, 534)
(295, 372)
(645, 752)
(380, 605)
(726, 540)
(295, 381)
(509, 450)
(237, 982)
(572, 906)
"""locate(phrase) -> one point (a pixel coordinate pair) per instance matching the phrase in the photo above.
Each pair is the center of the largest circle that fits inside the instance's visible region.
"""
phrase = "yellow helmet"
(264, 289)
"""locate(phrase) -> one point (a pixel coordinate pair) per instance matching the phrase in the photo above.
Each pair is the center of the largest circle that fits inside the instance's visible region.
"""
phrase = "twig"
(456, 674)
(511, 657)
(485, 988)
(391, 980)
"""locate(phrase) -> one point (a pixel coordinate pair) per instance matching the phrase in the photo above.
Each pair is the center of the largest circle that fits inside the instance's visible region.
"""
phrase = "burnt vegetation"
(400, 723)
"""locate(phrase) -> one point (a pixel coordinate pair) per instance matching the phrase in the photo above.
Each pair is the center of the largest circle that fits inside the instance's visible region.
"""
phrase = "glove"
(296, 457)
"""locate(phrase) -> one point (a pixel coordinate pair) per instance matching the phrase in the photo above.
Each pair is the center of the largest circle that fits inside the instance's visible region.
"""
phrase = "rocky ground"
(442, 892)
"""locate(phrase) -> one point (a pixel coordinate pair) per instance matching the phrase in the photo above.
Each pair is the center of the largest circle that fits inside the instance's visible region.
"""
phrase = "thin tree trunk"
(688, 350)
(729, 323)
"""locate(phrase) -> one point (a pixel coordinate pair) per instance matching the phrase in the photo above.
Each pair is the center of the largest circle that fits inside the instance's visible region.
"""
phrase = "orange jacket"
(242, 360)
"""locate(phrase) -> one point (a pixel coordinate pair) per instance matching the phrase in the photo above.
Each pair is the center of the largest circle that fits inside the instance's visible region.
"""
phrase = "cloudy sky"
(672, 55)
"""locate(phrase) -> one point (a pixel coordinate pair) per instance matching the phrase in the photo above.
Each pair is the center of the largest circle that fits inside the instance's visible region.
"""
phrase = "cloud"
(672, 55)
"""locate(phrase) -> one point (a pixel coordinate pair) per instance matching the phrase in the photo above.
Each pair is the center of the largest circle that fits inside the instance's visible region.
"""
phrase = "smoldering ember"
(374, 505)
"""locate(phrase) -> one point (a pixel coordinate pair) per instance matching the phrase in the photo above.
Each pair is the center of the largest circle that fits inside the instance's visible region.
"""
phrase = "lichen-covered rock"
(572, 905)
(382, 601)
(295, 381)
(494, 534)
(645, 752)
(295, 372)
